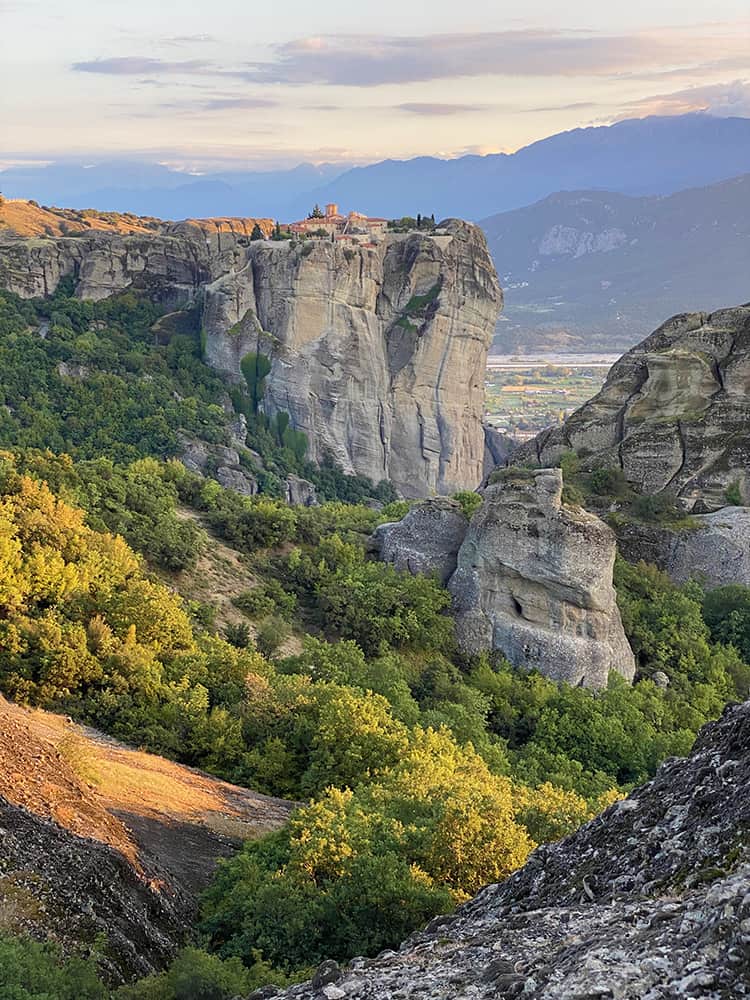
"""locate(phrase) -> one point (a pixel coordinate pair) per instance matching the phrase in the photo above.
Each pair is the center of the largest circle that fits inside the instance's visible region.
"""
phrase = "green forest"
(423, 774)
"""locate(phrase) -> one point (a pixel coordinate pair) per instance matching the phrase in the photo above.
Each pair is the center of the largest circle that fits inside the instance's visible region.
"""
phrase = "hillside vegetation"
(425, 774)
(19, 217)
(28, 218)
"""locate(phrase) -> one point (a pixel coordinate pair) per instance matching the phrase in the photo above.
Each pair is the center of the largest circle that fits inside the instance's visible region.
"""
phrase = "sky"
(230, 84)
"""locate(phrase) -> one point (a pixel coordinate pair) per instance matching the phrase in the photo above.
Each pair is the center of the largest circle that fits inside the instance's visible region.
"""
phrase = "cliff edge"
(377, 350)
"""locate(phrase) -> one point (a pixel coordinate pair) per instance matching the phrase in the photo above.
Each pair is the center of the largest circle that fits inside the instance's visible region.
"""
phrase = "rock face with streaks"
(377, 351)
(172, 263)
(650, 901)
(534, 580)
(426, 540)
(713, 549)
(674, 414)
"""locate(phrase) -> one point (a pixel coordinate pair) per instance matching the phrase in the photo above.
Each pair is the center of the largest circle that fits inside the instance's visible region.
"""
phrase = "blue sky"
(237, 84)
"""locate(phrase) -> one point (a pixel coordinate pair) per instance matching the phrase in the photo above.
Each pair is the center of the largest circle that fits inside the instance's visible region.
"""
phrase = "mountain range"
(597, 233)
(647, 156)
(599, 269)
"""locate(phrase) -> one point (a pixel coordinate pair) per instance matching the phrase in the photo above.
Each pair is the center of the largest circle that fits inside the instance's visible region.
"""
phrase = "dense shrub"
(33, 971)
(196, 975)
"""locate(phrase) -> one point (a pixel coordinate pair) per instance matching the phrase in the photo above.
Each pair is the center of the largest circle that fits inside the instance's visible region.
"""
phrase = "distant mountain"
(645, 156)
(605, 268)
(152, 189)
(639, 156)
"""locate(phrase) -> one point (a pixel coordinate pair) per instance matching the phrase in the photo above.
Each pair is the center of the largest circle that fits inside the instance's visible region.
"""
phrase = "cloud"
(188, 39)
(438, 110)
(576, 106)
(720, 99)
(708, 68)
(372, 60)
(199, 106)
(140, 66)
(237, 104)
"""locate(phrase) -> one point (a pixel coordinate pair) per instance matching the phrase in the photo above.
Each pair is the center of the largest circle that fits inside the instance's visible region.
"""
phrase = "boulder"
(534, 581)
(195, 455)
(300, 492)
(715, 552)
(713, 549)
(426, 540)
(235, 478)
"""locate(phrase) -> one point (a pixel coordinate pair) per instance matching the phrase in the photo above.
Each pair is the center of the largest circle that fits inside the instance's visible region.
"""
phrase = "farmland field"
(525, 394)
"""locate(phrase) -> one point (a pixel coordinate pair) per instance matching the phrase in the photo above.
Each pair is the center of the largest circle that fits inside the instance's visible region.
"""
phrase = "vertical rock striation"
(377, 352)
(673, 414)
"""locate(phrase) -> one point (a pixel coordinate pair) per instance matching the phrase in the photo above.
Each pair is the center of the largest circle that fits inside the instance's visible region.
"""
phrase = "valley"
(259, 608)
(374, 501)
(526, 394)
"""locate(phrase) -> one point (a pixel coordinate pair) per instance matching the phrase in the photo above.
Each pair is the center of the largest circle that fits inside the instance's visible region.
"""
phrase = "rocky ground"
(649, 901)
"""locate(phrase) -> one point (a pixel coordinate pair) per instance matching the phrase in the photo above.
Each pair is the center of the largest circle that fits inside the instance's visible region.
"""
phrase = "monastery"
(352, 228)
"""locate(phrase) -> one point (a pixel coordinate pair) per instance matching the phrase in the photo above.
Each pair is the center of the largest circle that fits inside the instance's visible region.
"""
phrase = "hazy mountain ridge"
(657, 155)
(605, 267)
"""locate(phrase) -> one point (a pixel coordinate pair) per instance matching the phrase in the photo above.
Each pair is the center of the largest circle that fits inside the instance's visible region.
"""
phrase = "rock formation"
(199, 456)
(649, 901)
(377, 351)
(529, 576)
(497, 447)
(534, 580)
(300, 492)
(713, 549)
(674, 414)
(426, 540)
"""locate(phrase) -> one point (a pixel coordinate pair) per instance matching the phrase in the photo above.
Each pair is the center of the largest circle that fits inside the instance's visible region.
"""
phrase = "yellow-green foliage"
(429, 774)
(361, 866)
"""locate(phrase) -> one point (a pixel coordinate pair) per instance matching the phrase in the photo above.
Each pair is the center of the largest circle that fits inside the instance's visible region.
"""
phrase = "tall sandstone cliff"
(377, 352)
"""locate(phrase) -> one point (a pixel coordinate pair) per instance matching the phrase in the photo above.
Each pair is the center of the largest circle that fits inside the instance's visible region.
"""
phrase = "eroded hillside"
(100, 837)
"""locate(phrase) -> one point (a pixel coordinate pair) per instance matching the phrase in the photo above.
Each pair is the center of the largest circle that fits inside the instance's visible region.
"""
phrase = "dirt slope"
(26, 218)
(97, 837)
(138, 803)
